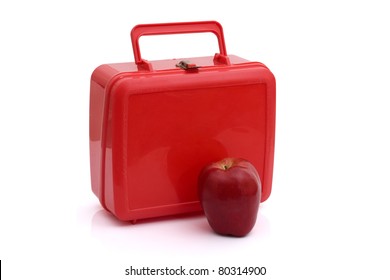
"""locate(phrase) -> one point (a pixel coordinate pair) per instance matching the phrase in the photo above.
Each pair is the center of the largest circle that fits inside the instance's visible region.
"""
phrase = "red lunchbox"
(155, 124)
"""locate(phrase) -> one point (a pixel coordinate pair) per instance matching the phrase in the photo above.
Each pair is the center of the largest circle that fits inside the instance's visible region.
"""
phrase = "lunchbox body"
(153, 130)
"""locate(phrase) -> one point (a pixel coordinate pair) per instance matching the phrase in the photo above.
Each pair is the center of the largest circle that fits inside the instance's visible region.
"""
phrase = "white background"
(328, 215)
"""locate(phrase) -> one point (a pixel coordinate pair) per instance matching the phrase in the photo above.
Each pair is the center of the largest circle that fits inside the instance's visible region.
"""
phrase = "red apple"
(229, 192)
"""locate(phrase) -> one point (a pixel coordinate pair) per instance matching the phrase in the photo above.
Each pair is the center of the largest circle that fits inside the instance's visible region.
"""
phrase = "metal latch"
(186, 65)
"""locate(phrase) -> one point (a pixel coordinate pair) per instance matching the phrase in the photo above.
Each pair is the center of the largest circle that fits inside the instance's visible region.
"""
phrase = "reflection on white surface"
(185, 233)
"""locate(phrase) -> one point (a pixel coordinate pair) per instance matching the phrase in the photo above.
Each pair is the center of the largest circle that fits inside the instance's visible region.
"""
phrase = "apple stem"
(225, 167)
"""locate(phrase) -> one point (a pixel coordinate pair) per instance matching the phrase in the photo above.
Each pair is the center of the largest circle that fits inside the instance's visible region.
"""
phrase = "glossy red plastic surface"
(176, 28)
(151, 132)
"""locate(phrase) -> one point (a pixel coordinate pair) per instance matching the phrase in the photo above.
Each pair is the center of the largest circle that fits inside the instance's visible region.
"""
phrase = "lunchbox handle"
(178, 28)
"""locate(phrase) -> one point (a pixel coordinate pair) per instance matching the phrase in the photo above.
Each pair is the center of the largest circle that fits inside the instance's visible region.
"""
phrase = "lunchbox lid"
(142, 66)
(220, 59)
(177, 63)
